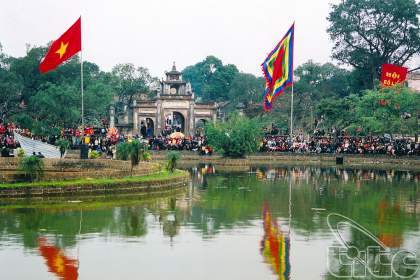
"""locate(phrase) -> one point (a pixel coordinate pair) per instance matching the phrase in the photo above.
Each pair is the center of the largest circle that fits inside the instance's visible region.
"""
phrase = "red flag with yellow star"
(63, 48)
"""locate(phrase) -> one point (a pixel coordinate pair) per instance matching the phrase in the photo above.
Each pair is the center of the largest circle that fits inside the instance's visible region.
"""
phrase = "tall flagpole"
(291, 115)
(81, 78)
(81, 87)
(293, 83)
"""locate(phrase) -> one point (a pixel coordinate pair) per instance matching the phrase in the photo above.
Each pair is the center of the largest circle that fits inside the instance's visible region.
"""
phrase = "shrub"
(94, 154)
(146, 156)
(20, 152)
(133, 151)
(237, 137)
(32, 167)
(122, 151)
(172, 157)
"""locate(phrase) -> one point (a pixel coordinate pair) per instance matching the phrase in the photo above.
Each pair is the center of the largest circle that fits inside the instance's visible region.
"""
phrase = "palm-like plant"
(172, 157)
(32, 167)
(135, 150)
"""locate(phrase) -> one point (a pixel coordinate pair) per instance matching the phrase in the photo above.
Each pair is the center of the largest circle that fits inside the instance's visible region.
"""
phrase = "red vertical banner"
(392, 75)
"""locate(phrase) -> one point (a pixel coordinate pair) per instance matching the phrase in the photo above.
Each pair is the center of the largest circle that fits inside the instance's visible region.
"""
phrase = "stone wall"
(86, 189)
(59, 169)
(377, 161)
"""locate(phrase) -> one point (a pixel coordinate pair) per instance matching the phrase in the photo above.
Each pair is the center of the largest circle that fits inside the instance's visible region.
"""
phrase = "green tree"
(10, 88)
(372, 32)
(56, 93)
(98, 96)
(338, 112)
(54, 107)
(210, 79)
(387, 111)
(130, 81)
(316, 83)
(322, 80)
(390, 110)
(237, 137)
(246, 88)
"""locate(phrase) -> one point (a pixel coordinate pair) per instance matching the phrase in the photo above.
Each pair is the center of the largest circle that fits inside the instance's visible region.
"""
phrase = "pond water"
(264, 223)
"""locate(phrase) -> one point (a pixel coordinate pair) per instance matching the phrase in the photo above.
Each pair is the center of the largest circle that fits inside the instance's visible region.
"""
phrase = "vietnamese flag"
(63, 48)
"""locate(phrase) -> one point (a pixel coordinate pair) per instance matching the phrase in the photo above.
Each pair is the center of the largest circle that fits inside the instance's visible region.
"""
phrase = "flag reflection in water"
(65, 268)
(275, 246)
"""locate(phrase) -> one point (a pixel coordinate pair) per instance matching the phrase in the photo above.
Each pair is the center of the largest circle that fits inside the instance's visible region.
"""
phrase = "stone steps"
(73, 154)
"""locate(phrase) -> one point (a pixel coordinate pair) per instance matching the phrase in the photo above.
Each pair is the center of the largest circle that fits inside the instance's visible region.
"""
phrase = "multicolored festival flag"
(63, 48)
(275, 246)
(278, 69)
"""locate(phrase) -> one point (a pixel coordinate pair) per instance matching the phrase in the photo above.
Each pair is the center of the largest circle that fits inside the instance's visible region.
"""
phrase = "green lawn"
(100, 181)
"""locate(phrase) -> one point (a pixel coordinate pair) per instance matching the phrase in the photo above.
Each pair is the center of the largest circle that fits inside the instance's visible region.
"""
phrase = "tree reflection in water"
(385, 202)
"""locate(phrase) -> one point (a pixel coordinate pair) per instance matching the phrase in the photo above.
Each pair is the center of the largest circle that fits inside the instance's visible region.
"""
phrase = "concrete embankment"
(65, 169)
(156, 182)
(72, 177)
(351, 161)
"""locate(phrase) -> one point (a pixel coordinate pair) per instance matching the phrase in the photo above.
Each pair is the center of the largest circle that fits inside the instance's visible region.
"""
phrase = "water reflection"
(217, 221)
(275, 246)
(57, 262)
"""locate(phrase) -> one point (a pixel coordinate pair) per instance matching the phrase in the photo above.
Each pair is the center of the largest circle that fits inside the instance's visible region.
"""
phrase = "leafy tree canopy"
(47, 102)
(369, 33)
(130, 80)
(210, 79)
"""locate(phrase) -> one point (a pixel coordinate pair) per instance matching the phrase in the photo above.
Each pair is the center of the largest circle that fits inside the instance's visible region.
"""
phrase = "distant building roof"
(173, 71)
(413, 81)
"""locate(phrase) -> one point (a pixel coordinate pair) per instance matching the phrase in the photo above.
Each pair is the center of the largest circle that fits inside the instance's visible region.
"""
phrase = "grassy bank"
(163, 175)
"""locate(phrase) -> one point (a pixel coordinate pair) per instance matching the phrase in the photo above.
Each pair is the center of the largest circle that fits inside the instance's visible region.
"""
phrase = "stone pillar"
(158, 124)
(111, 116)
(192, 118)
(135, 122)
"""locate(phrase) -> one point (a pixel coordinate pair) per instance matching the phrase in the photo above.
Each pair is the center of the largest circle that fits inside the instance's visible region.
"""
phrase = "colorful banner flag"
(278, 69)
(275, 246)
(392, 75)
(59, 264)
(63, 48)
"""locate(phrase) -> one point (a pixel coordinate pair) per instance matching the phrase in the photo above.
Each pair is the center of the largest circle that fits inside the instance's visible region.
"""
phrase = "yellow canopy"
(177, 135)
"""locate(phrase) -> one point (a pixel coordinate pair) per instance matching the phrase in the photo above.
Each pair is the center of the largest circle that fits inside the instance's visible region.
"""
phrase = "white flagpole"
(291, 115)
(81, 77)
(81, 87)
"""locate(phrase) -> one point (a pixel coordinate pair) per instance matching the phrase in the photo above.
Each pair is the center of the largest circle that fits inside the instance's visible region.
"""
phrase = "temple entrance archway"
(199, 127)
(178, 122)
(150, 128)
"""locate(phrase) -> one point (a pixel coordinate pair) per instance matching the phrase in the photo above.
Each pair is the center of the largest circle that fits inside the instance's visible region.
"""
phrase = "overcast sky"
(154, 33)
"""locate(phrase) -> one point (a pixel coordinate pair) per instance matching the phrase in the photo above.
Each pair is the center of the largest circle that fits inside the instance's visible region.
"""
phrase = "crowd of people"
(7, 141)
(378, 145)
(198, 143)
(103, 140)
